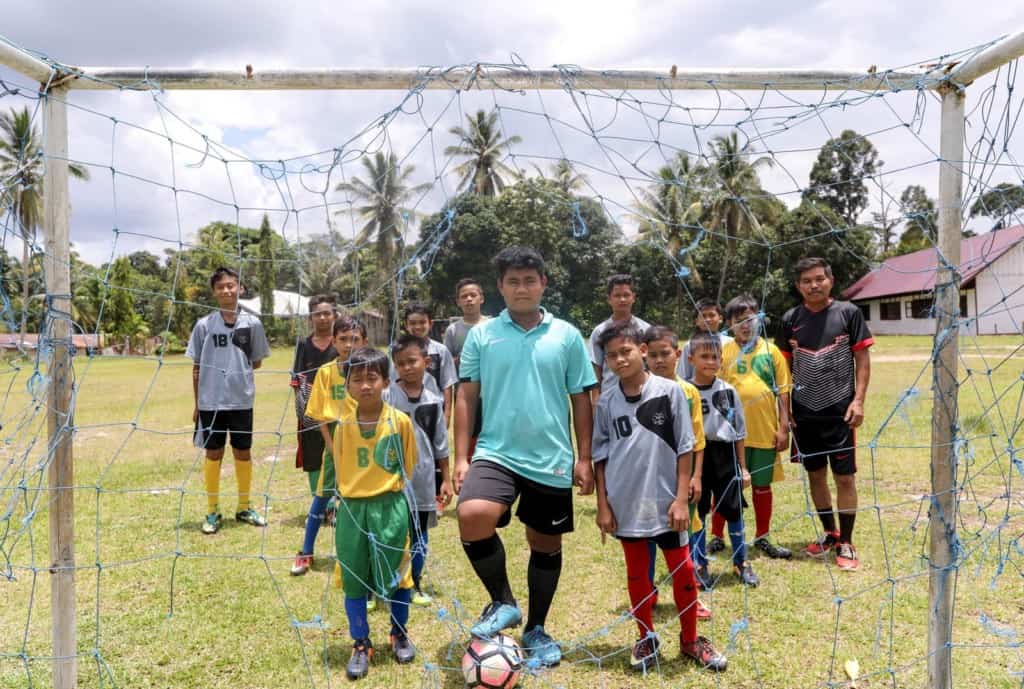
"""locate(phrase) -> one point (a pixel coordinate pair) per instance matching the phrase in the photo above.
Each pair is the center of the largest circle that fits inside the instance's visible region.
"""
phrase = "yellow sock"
(243, 471)
(211, 477)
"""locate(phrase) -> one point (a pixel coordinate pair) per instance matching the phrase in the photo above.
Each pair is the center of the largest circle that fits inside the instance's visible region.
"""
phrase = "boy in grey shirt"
(642, 447)
(725, 472)
(411, 394)
(226, 346)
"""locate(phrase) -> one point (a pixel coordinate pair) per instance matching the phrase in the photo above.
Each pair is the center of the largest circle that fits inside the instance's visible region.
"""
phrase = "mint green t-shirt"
(526, 377)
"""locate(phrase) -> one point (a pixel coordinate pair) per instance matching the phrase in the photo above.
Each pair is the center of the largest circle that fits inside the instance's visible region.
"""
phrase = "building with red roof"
(896, 297)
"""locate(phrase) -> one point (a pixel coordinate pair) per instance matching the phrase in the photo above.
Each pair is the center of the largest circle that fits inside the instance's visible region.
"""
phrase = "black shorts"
(310, 452)
(721, 480)
(213, 427)
(821, 442)
(544, 509)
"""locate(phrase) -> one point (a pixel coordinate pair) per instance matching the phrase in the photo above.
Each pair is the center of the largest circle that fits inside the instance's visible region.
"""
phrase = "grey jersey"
(225, 355)
(608, 377)
(455, 334)
(683, 369)
(640, 440)
(723, 412)
(427, 414)
(440, 368)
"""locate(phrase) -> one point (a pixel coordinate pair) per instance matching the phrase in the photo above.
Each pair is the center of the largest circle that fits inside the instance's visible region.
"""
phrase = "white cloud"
(274, 126)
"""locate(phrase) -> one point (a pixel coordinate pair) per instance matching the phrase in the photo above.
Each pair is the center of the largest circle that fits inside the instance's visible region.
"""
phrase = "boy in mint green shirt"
(527, 368)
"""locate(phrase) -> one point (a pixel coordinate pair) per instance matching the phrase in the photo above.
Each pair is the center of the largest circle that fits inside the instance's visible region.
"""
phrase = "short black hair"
(704, 340)
(465, 282)
(406, 341)
(708, 303)
(319, 299)
(414, 308)
(810, 263)
(656, 333)
(519, 258)
(368, 358)
(625, 331)
(621, 279)
(346, 323)
(222, 271)
(740, 304)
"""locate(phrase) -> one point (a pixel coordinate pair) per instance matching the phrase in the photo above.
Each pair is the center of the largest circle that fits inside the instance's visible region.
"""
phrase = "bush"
(170, 344)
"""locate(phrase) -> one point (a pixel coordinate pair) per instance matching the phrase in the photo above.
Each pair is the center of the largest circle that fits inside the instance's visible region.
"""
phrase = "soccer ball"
(492, 663)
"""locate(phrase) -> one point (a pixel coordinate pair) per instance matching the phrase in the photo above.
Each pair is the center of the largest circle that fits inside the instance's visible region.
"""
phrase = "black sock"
(542, 580)
(488, 560)
(828, 519)
(846, 520)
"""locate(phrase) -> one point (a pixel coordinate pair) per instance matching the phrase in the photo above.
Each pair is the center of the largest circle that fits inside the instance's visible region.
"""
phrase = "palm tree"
(481, 143)
(565, 176)
(22, 187)
(671, 207)
(381, 203)
(729, 206)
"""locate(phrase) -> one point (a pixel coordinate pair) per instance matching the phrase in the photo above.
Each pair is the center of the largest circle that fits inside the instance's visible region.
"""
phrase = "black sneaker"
(403, 648)
(776, 552)
(746, 574)
(704, 582)
(645, 653)
(716, 545)
(359, 663)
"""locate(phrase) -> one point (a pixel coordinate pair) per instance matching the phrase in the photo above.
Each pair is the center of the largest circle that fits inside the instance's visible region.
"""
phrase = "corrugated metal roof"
(916, 272)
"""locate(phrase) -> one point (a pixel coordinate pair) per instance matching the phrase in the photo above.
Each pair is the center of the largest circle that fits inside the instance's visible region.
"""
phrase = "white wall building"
(897, 297)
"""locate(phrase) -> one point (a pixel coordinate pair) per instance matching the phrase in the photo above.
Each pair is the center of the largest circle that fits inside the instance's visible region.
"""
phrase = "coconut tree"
(22, 187)
(735, 185)
(565, 176)
(481, 143)
(670, 208)
(380, 200)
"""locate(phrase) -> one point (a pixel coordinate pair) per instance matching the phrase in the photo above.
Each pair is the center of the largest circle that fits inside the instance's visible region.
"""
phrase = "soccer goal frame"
(57, 81)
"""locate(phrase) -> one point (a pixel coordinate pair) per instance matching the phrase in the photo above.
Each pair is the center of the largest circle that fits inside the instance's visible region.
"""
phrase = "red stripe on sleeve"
(788, 355)
(863, 344)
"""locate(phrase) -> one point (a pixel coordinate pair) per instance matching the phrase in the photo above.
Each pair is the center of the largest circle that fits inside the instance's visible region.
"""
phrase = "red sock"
(684, 589)
(641, 591)
(717, 525)
(762, 510)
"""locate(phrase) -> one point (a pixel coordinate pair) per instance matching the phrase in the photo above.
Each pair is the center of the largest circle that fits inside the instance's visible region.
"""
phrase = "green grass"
(139, 503)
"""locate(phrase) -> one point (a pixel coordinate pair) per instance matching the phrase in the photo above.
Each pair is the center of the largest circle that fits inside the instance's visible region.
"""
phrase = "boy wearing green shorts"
(327, 398)
(758, 371)
(374, 446)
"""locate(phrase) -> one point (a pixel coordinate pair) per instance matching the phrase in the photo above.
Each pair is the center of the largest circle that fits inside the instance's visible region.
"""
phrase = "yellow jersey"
(696, 412)
(327, 396)
(760, 374)
(368, 461)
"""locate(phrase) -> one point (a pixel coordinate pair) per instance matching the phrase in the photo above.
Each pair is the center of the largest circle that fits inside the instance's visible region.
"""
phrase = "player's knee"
(215, 455)
(846, 483)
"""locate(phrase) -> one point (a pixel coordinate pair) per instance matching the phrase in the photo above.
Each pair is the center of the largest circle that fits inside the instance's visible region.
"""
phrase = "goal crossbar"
(514, 77)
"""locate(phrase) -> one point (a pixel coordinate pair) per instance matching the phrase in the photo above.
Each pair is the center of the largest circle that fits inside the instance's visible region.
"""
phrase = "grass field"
(161, 605)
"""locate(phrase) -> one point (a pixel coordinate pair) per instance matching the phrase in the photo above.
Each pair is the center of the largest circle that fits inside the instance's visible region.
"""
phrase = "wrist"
(585, 458)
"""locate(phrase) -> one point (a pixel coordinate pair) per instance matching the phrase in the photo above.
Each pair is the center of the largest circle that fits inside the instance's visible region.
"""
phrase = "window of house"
(889, 311)
(919, 308)
(963, 305)
(865, 310)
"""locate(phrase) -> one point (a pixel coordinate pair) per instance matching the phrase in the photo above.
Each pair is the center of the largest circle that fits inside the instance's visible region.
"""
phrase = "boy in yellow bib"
(374, 447)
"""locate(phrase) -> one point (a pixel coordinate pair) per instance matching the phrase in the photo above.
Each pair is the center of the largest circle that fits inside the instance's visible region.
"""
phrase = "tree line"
(705, 227)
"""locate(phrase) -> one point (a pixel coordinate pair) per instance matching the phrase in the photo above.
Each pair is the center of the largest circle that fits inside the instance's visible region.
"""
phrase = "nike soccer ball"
(492, 663)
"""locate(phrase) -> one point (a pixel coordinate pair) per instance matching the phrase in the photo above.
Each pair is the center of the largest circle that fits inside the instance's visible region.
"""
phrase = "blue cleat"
(496, 617)
(539, 645)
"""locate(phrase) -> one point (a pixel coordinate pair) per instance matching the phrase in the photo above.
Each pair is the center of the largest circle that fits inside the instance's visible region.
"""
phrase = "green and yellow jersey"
(760, 374)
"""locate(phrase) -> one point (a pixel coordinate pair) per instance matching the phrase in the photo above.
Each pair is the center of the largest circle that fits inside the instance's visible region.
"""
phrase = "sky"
(159, 194)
